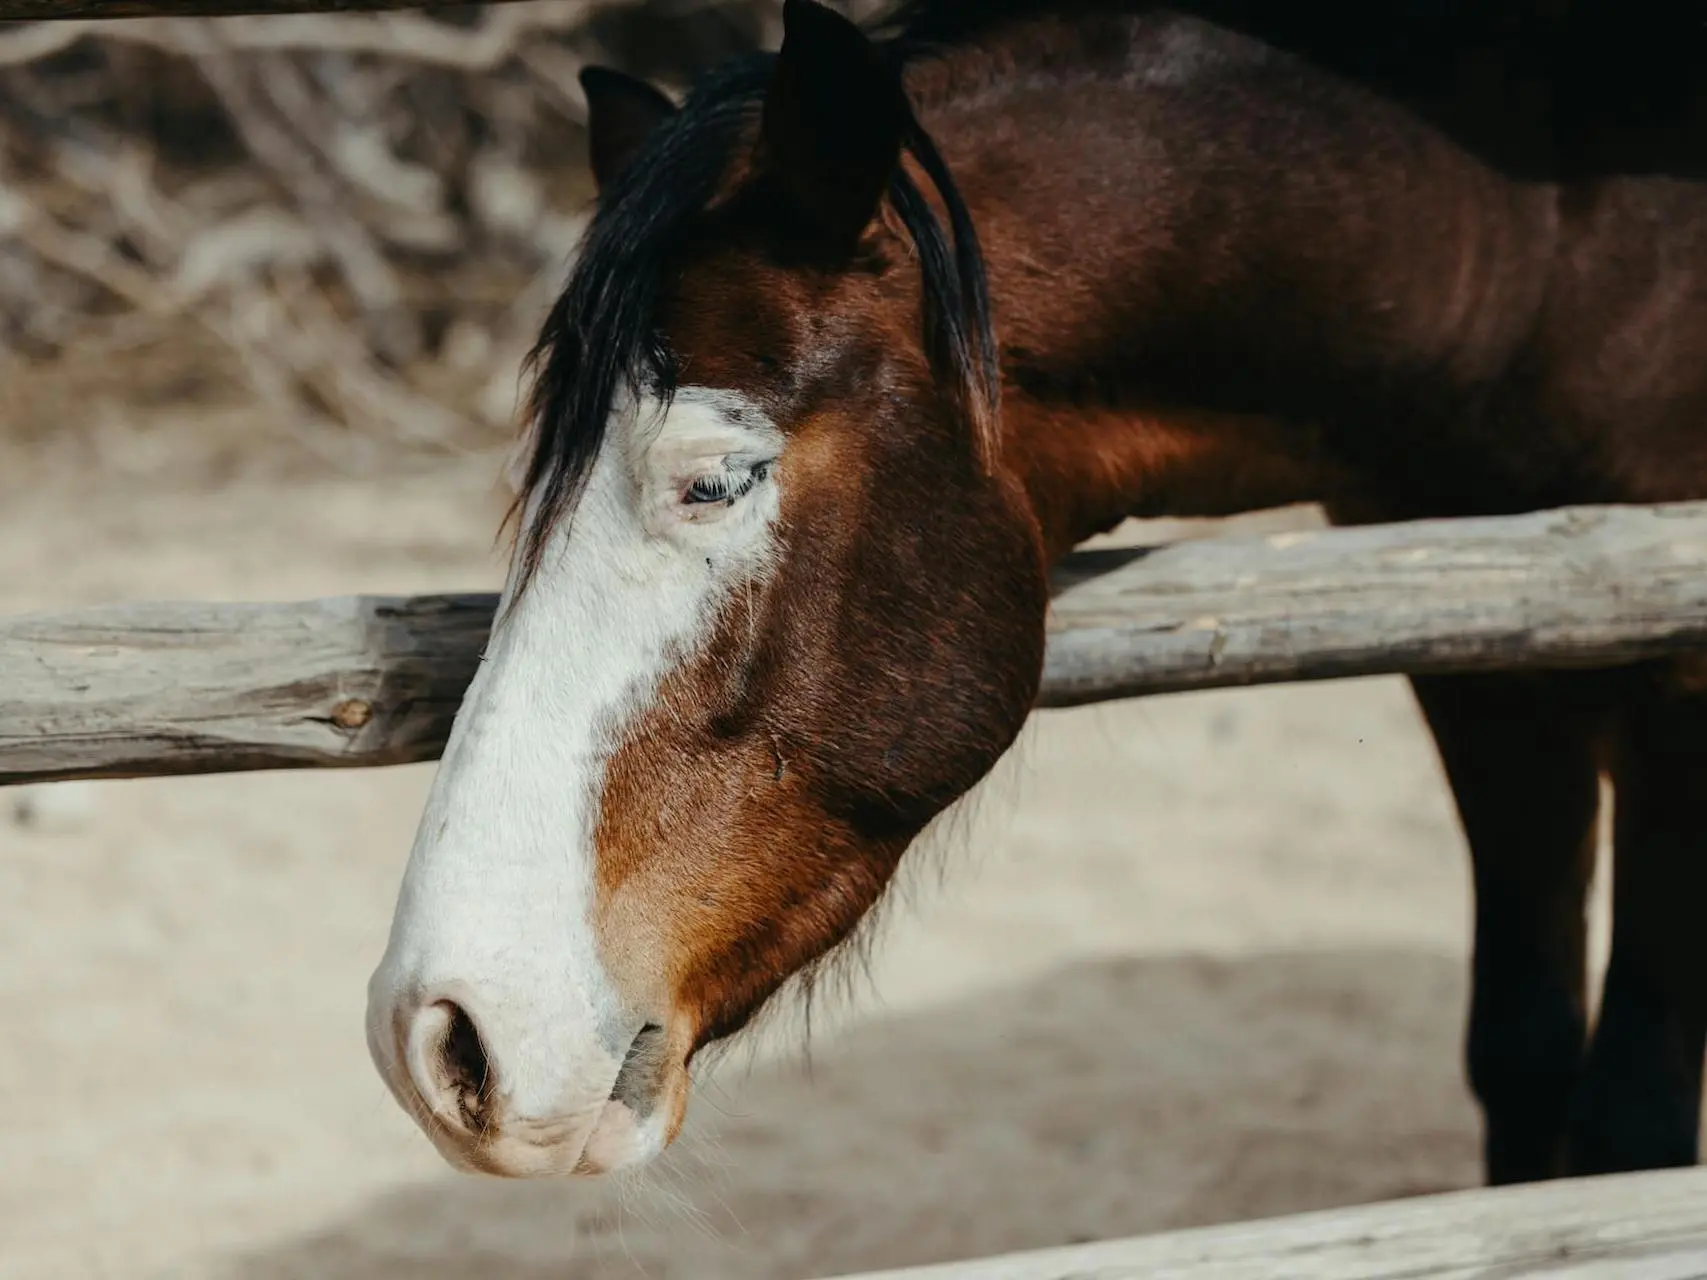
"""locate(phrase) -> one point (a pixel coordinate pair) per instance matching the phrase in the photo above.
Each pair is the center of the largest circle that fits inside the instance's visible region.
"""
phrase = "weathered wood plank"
(48, 10)
(1648, 1226)
(160, 688)
(151, 689)
(1580, 586)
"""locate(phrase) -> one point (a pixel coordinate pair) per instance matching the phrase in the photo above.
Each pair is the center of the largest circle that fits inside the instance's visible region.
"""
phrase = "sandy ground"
(1193, 959)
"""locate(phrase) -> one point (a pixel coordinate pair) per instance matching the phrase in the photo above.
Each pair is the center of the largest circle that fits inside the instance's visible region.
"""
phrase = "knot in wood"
(352, 713)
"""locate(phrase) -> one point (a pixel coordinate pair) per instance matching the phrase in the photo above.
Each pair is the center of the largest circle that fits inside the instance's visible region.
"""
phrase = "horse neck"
(1203, 257)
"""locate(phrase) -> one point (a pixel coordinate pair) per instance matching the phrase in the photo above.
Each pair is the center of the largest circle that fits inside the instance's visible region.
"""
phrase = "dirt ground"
(1191, 959)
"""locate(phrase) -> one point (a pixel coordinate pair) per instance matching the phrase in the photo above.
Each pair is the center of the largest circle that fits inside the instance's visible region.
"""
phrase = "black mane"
(599, 336)
(599, 339)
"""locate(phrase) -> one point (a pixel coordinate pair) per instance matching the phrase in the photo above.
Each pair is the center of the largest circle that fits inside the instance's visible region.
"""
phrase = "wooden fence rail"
(1648, 1226)
(145, 689)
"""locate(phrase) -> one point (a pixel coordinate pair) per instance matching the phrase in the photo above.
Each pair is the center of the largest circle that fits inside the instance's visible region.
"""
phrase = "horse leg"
(1521, 756)
(1640, 1102)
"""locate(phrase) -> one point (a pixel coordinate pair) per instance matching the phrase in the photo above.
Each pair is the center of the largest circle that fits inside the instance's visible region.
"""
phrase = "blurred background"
(351, 222)
(265, 285)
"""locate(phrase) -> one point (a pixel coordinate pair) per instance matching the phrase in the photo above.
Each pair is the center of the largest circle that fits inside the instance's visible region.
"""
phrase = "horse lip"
(636, 1084)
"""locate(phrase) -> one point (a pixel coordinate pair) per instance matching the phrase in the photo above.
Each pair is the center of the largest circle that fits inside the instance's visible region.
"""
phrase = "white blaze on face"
(494, 910)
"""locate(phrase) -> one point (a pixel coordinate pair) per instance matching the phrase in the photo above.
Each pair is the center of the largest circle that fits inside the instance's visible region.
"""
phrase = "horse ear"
(621, 112)
(834, 117)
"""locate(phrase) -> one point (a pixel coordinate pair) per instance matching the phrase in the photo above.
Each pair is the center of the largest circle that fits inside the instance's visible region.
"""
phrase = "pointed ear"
(834, 117)
(621, 112)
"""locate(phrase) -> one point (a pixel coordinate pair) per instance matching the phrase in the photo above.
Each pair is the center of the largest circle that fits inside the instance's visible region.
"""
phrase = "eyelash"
(725, 487)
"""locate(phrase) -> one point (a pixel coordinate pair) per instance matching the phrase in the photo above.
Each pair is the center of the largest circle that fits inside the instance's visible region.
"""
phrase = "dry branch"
(50, 10)
(423, 171)
(133, 690)
(402, 36)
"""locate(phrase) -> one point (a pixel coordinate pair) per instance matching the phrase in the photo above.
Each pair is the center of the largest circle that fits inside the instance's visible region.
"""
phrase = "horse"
(867, 332)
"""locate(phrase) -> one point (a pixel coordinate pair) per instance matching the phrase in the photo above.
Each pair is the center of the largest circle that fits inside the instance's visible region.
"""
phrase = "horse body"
(1195, 230)
(1243, 284)
(778, 599)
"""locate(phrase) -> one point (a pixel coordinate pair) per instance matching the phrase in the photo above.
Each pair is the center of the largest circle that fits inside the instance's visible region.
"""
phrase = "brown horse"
(790, 504)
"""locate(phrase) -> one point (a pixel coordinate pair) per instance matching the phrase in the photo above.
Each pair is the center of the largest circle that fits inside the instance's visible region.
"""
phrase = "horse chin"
(620, 1136)
(624, 1139)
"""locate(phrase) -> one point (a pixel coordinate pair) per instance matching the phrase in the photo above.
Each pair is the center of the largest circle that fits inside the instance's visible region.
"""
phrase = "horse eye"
(709, 489)
(725, 486)
(767, 364)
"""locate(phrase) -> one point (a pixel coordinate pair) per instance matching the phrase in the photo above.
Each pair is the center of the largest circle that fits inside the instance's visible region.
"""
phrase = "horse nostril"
(458, 1075)
(465, 1059)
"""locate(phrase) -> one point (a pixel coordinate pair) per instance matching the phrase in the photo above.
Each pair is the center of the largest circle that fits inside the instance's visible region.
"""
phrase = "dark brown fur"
(1222, 277)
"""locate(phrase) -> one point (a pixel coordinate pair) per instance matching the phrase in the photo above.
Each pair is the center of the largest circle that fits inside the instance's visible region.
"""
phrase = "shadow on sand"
(1110, 1098)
